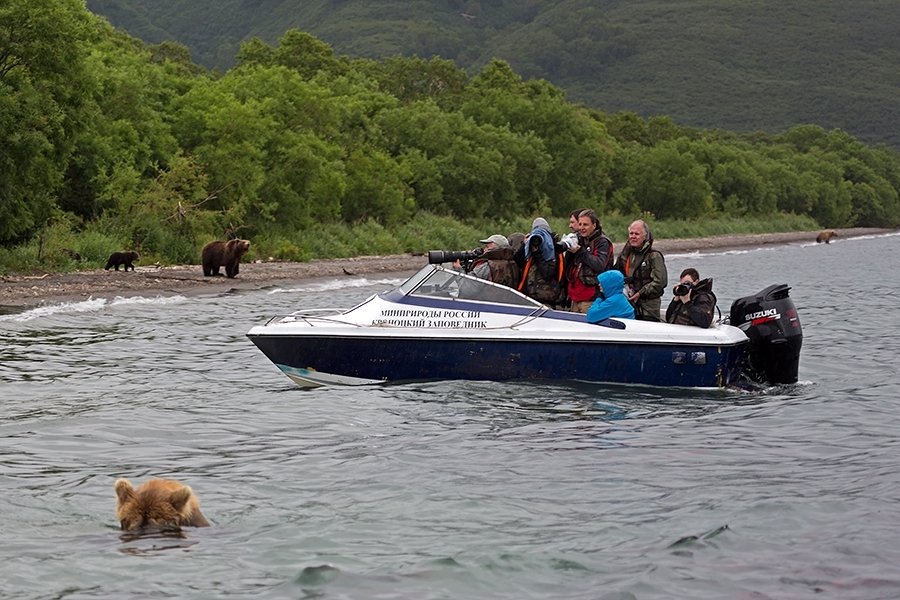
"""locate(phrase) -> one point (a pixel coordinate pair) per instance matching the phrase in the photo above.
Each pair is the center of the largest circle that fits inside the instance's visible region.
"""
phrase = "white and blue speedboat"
(442, 324)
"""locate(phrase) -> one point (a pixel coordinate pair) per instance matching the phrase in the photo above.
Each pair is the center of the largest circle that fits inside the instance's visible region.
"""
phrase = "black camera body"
(683, 289)
(436, 257)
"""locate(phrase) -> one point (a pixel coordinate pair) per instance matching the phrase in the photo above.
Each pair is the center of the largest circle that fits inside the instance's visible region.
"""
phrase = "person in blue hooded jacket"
(541, 265)
(612, 302)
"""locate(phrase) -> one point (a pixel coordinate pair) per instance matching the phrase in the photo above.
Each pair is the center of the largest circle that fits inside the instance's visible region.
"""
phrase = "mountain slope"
(741, 66)
(750, 65)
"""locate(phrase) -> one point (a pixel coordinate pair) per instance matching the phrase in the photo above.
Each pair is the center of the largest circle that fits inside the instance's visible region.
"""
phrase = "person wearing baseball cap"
(497, 262)
(495, 241)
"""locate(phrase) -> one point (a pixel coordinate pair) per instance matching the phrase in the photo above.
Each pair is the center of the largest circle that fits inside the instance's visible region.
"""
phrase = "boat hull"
(319, 359)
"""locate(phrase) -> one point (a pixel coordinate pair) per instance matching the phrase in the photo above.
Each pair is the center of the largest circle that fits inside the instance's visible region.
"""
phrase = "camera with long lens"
(436, 257)
(683, 289)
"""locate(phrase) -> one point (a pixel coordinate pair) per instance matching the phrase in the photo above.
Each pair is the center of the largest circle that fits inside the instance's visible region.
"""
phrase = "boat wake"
(338, 284)
(85, 306)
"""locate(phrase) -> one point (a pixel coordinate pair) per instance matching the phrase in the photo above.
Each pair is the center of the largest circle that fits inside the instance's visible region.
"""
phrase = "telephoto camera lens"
(444, 256)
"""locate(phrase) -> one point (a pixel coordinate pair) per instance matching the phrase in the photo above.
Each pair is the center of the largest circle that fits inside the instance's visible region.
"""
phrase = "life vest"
(543, 280)
(642, 274)
(703, 298)
(504, 269)
(587, 275)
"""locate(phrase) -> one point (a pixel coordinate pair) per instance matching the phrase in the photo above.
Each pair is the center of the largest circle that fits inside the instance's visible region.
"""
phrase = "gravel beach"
(29, 290)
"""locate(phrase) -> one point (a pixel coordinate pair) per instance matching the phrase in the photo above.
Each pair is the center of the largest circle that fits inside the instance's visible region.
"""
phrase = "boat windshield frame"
(436, 281)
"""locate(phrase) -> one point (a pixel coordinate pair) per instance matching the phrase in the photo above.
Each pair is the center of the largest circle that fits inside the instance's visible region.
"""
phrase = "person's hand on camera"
(682, 291)
(570, 240)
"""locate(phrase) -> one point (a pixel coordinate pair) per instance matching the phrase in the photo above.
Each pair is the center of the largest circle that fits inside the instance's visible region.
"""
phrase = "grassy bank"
(61, 249)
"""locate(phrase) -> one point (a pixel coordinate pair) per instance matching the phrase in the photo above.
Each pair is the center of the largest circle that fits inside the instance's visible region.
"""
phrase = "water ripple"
(452, 489)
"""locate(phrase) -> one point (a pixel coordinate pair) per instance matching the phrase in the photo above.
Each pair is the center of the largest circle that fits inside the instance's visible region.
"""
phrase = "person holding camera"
(589, 254)
(573, 220)
(645, 272)
(540, 264)
(495, 262)
(694, 302)
(467, 266)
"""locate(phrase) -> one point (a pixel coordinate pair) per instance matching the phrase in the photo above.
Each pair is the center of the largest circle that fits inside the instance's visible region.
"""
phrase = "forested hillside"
(741, 66)
(108, 143)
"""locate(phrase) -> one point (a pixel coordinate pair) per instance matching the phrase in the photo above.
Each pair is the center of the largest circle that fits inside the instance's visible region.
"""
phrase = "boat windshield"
(444, 283)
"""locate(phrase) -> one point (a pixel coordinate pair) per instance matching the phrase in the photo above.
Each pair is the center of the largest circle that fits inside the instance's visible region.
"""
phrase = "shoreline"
(22, 291)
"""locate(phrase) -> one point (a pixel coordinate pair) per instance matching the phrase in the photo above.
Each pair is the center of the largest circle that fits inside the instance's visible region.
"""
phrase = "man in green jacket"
(645, 272)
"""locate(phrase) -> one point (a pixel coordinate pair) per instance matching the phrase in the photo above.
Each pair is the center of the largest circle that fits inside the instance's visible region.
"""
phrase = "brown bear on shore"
(122, 258)
(826, 236)
(158, 503)
(229, 254)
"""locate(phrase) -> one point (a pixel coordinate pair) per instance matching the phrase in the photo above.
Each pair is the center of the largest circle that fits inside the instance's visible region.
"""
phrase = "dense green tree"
(625, 126)
(377, 188)
(578, 145)
(133, 87)
(804, 138)
(414, 79)
(134, 145)
(734, 176)
(671, 184)
(824, 193)
(461, 167)
(296, 50)
(875, 176)
(167, 215)
(43, 45)
(784, 183)
(306, 181)
(755, 65)
(229, 137)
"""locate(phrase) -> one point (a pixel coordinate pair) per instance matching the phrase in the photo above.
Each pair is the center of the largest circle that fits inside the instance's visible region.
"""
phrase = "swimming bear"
(157, 503)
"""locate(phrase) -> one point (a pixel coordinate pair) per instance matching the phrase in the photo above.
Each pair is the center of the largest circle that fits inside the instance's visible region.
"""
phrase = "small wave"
(163, 300)
(84, 306)
(867, 236)
(852, 238)
(698, 253)
(46, 310)
(803, 244)
(338, 284)
(693, 254)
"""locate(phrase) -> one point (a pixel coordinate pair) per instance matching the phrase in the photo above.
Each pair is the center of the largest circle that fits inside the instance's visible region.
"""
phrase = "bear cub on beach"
(216, 254)
(826, 236)
(157, 503)
(122, 258)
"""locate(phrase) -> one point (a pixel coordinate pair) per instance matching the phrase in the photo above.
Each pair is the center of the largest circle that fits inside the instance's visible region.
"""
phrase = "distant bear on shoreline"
(122, 258)
(157, 503)
(826, 236)
(227, 254)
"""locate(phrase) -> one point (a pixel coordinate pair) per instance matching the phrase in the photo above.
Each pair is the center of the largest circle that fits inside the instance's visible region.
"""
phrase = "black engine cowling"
(770, 320)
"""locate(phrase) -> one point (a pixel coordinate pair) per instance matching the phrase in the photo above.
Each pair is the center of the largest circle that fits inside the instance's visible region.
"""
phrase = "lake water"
(454, 490)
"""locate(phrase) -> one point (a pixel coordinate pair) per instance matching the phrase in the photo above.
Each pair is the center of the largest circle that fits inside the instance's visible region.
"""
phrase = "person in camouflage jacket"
(698, 306)
(645, 272)
(497, 265)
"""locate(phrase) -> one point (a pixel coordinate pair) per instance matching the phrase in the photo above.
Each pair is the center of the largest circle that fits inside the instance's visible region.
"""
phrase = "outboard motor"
(770, 321)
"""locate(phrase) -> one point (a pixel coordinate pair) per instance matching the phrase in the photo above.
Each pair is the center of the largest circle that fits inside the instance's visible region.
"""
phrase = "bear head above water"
(158, 503)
